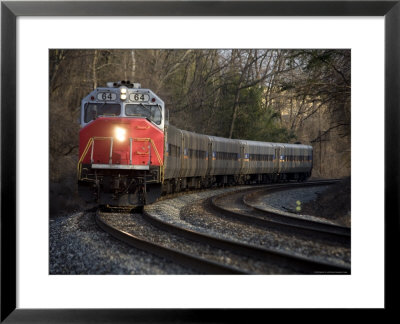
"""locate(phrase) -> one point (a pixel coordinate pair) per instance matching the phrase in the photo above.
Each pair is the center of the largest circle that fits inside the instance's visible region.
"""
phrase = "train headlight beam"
(120, 134)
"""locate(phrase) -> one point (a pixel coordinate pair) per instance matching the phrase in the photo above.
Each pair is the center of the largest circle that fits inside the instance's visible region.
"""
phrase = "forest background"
(275, 95)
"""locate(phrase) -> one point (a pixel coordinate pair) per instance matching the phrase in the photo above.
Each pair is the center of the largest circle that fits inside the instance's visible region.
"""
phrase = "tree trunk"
(94, 69)
(235, 111)
(133, 65)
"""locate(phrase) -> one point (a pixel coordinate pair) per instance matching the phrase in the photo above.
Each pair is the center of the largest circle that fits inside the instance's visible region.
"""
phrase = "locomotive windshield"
(152, 112)
(94, 110)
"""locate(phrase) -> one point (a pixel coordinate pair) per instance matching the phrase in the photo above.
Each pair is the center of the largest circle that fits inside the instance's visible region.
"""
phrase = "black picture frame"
(10, 10)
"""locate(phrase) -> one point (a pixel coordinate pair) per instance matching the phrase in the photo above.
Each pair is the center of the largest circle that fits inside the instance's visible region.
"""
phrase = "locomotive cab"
(122, 99)
(121, 145)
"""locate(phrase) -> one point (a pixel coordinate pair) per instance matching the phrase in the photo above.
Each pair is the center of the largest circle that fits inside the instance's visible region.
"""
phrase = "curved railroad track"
(244, 258)
(243, 206)
(175, 255)
(296, 263)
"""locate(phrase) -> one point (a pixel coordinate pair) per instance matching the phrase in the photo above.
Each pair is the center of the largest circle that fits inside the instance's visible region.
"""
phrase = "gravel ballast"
(79, 246)
(136, 225)
(189, 212)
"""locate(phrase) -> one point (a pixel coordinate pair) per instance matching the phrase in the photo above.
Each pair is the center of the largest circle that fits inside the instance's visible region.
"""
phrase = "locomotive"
(129, 154)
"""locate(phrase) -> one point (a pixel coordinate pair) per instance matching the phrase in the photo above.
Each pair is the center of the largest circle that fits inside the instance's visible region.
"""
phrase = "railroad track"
(175, 255)
(278, 261)
(296, 263)
(242, 206)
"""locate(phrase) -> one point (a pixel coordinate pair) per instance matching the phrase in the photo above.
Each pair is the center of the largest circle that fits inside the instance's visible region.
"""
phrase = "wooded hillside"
(266, 95)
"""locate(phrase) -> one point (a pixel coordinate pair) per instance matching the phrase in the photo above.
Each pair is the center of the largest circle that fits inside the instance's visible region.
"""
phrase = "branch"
(317, 139)
(71, 149)
(104, 65)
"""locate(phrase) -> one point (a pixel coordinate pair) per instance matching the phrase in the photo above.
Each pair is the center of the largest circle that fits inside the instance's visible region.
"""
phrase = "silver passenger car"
(260, 158)
(172, 152)
(225, 156)
(196, 160)
(295, 158)
(195, 155)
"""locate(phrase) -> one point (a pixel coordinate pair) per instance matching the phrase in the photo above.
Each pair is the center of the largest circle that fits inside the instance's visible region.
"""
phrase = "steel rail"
(249, 187)
(191, 261)
(286, 223)
(297, 263)
(312, 224)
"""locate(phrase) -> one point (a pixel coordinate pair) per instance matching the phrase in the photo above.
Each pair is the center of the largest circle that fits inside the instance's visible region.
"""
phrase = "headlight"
(120, 134)
(123, 93)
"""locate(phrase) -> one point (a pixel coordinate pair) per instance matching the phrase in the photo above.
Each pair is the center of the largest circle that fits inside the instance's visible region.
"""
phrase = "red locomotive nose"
(116, 157)
(133, 141)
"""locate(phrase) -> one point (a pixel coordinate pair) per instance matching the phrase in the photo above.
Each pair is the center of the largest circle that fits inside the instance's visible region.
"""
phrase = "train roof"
(115, 88)
(223, 139)
(248, 142)
(273, 144)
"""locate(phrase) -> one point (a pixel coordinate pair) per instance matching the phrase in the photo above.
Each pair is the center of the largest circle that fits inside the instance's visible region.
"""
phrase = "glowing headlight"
(120, 134)
(123, 93)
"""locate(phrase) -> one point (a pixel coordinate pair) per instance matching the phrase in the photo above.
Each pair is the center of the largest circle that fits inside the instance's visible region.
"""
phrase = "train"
(129, 154)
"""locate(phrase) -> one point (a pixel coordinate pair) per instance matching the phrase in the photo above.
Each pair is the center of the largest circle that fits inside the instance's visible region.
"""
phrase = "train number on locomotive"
(139, 97)
(106, 96)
